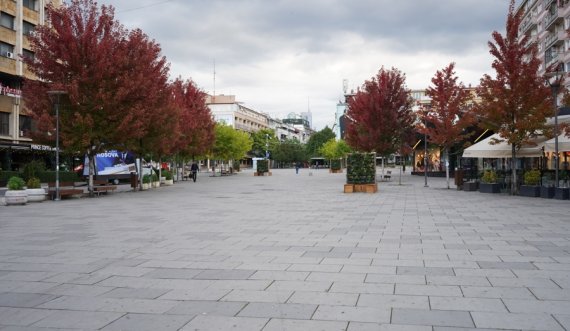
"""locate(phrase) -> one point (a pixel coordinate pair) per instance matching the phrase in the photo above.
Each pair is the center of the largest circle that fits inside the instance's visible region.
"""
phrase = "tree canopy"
(317, 140)
(231, 144)
(516, 103)
(380, 113)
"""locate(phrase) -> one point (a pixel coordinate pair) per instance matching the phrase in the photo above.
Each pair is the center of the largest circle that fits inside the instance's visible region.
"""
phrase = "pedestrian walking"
(297, 166)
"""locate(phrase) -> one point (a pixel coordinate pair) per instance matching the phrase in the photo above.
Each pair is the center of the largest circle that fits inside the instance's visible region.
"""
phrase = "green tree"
(288, 151)
(317, 140)
(334, 149)
(231, 144)
(263, 140)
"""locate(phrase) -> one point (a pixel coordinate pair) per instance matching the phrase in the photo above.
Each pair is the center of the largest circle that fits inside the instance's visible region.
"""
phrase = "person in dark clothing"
(194, 169)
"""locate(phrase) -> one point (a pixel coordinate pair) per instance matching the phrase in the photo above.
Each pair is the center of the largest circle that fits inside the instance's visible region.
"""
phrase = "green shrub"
(33, 182)
(335, 164)
(167, 174)
(262, 166)
(361, 168)
(154, 177)
(32, 169)
(236, 165)
(64, 176)
(489, 177)
(532, 177)
(146, 179)
(5, 175)
(16, 183)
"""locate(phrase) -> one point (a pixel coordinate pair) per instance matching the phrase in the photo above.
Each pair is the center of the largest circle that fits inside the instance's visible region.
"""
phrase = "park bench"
(102, 186)
(66, 189)
(388, 175)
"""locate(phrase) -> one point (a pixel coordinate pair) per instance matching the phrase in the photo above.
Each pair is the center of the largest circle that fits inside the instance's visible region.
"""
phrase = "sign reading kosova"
(112, 163)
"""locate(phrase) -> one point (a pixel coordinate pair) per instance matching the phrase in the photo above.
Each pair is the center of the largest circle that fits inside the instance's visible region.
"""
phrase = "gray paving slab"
(287, 252)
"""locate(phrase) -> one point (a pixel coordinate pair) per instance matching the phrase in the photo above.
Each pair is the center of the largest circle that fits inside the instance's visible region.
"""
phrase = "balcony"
(552, 39)
(527, 24)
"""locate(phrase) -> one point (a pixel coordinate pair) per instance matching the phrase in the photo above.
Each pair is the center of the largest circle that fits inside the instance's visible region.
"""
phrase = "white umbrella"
(563, 144)
(484, 148)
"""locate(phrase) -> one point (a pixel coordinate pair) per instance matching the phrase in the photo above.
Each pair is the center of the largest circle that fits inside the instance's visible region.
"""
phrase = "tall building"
(18, 18)
(546, 22)
(226, 109)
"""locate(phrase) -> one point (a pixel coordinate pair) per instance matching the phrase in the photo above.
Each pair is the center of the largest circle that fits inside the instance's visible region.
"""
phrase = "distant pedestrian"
(297, 166)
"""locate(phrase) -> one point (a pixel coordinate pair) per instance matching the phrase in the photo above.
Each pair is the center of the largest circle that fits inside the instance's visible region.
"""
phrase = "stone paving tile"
(173, 273)
(280, 275)
(457, 280)
(222, 323)
(320, 298)
(538, 306)
(522, 282)
(358, 326)
(497, 292)
(299, 286)
(517, 321)
(466, 304)
(24, 300)
(79, 290)
(438, 290)
(303, 325)
(432, 317)
(357, 314)
(356, 287)
(224, 274)
(563, 319)
(315, 267)
(551, 294)
(147, 322)
(393, 301)
(278, 310)
(135, 293)
(110, 304)
(67, 319)
(192, 308)
(258, 296)
(396, 279)
(335, 277)
(22, 316)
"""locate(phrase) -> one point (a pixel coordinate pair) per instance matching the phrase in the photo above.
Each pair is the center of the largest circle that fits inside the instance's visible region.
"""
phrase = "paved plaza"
(287, 252)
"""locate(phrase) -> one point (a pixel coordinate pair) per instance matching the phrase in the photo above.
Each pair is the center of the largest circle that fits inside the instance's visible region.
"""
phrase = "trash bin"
(134, 180)
(459, 178)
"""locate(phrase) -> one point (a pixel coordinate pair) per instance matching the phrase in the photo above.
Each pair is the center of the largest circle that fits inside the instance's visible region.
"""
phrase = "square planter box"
(530, 191)
(562, 193)
(489, 188)
(348, 188)
(546, 192)
(470, 186)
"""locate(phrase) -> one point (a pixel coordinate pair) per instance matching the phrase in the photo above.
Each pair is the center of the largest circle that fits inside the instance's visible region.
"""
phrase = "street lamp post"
(425, 150)
(57, 94)
(555, 87)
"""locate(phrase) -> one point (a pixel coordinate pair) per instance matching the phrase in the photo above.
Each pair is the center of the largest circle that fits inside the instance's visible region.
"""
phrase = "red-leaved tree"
(516, 103)
(380, 114)
(195, 121)
(449, 115)
(114, 79)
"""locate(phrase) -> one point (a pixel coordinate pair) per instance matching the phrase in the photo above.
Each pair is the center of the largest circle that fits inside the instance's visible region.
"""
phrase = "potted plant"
(146, 182)
(336, 167)
(547, 189)
(155, 180)
(562, 192)
(489, 182)
(531, 187)
(168, 179)
(16, 194)
(35, 191)
(262, 168)
(361, 173)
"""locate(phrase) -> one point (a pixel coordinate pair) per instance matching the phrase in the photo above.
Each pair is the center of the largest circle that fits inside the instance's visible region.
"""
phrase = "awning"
(563, 144)
(484, 148)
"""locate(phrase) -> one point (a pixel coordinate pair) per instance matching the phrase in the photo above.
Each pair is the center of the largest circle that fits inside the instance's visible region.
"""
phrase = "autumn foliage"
(516, 103)
(380, 116)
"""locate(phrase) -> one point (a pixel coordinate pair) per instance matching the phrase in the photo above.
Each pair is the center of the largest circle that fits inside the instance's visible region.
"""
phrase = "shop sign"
(41, 148)
(11, 92)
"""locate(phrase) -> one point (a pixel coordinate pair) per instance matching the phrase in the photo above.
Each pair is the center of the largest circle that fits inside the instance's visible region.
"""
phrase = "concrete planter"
(155, 184)
(546, 192)
(530, 191)
(489, 188)
(470, 186)
(16, 197)
(36, 194)
(168, 182)
(145, 186)
(562, 193)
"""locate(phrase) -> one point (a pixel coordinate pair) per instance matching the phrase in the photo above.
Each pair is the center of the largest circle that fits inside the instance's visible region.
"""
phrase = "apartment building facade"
(226, 109)
(547, 22)
(18, 18)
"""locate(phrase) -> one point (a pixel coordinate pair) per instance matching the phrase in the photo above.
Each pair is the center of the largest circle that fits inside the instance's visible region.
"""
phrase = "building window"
(31, 4)
(25, 126)
(28, 28)
(7, 20)
(4, 124)
(28, 54)
(6, 50)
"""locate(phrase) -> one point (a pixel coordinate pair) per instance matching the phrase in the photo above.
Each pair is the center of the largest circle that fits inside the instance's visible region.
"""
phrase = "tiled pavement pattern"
(287, 252)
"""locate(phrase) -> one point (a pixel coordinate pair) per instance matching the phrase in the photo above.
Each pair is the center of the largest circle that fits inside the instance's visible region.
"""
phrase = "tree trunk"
(91, 157)
(446, 156)
(514, 170)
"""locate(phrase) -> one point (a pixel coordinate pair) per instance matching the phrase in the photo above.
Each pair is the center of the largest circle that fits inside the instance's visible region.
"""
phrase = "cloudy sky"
(283, 56)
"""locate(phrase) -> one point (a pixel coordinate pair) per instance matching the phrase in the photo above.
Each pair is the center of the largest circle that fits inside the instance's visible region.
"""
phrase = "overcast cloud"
(282, 56)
